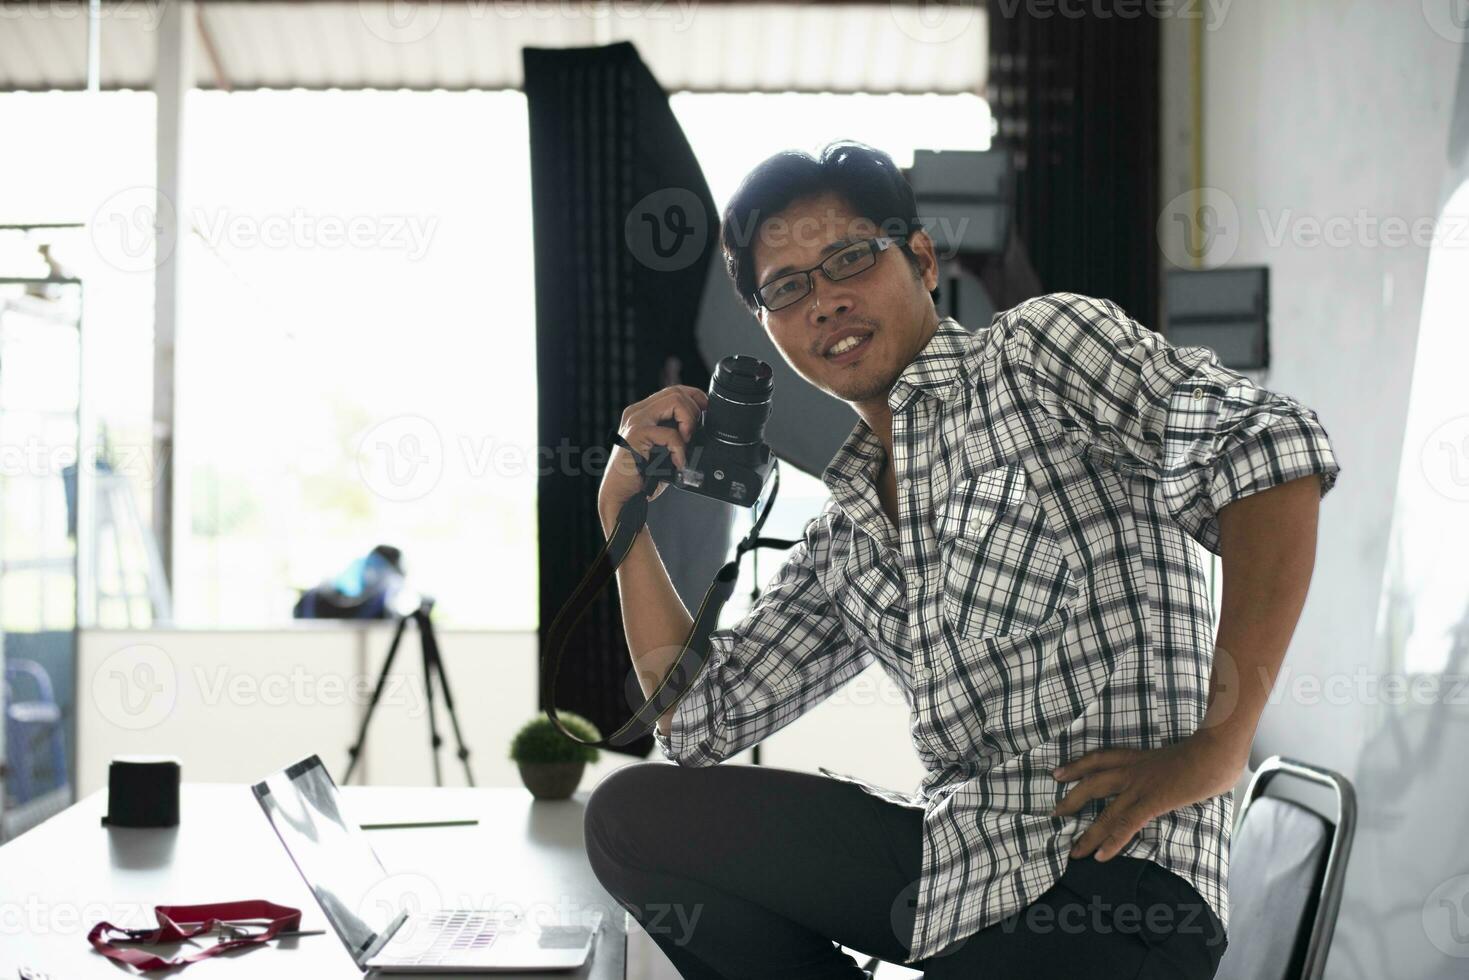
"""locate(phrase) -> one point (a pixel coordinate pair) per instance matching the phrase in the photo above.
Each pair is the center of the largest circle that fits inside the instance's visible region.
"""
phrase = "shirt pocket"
(1003, 568)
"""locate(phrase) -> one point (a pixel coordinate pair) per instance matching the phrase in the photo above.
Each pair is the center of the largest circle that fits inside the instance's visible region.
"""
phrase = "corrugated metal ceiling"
(689, 45)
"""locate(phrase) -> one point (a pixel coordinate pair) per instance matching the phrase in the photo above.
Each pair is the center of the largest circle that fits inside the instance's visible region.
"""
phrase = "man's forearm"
(1267, 542)
(654, 617)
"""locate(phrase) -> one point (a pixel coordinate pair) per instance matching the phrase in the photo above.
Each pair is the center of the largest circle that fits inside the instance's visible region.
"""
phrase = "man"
(1009, 535)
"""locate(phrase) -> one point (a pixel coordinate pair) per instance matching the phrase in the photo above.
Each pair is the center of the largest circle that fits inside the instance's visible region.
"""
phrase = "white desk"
(58, 880)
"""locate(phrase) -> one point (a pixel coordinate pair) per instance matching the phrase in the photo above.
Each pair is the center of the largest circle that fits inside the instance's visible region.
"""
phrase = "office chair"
(33, 735)
(1287, 871)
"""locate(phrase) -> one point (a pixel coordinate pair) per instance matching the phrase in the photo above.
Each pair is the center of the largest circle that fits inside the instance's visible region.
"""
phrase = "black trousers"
(755, 872)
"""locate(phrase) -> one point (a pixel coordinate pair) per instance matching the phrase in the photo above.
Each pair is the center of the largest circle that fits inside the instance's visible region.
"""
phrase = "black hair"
(866, 177)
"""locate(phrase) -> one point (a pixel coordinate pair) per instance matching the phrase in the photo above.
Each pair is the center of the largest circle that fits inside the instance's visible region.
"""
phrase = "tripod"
(432, 663)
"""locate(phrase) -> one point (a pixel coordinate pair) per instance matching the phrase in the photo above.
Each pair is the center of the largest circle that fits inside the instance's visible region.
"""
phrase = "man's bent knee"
(620, 810)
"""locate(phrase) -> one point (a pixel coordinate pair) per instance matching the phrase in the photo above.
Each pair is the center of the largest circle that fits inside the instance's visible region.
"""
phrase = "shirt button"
(1198, 394)
(920, 673)
(903, 485)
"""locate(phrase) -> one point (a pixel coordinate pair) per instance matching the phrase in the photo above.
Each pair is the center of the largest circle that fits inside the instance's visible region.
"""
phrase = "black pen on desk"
(419, 824)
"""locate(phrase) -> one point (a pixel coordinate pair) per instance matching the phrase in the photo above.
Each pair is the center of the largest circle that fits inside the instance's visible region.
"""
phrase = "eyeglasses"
(844, 264)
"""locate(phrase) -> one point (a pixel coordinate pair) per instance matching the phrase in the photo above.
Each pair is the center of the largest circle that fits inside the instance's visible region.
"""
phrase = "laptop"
(365, 905)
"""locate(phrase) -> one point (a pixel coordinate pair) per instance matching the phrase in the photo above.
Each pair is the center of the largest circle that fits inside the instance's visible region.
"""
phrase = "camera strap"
(177, 923)
(631, 520)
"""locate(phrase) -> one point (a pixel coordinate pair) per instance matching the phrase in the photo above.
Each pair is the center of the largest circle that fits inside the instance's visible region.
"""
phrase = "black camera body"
(727, 456)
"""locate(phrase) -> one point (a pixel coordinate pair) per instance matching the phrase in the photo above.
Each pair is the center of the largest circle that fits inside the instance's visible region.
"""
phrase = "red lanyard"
(179, 922)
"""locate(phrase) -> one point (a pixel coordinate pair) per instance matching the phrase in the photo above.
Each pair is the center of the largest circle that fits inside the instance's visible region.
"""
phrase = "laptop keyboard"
(459, 937)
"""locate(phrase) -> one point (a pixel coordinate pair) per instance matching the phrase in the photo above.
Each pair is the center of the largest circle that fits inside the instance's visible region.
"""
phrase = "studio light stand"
(433, 665)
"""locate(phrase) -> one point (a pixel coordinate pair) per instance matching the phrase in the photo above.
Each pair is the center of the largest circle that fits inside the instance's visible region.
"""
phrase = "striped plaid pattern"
(1043, 595)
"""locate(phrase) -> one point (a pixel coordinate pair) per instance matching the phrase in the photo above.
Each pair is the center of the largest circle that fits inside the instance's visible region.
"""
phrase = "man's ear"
(922, 244)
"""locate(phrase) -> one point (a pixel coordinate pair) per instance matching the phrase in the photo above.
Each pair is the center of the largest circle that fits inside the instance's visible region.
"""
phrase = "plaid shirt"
(1041, 596)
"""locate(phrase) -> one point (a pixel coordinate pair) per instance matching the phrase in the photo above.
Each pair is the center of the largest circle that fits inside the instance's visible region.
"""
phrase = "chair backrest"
(1287, 868)
(33, 734)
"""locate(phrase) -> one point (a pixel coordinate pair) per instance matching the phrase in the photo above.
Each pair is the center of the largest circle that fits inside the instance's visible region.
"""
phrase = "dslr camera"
(727, 456)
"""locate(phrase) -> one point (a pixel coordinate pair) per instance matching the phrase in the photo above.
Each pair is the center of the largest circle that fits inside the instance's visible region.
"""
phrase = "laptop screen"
(331, 853)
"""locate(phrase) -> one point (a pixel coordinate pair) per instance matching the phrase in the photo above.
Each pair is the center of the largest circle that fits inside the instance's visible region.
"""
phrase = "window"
(357, 342)
(338, 396)
(359, 360)
(1424, 604)
(80, 158)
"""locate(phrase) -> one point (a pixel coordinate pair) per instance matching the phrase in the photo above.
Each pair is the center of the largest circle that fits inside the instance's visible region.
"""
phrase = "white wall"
(1317, 109)
(1314, 110)
(236, 705)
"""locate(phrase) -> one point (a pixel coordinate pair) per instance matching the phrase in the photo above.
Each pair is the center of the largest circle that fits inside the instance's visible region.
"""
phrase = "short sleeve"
(1205, 434)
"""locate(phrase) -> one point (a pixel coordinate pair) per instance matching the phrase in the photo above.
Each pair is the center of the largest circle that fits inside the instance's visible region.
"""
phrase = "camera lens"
(739, 401)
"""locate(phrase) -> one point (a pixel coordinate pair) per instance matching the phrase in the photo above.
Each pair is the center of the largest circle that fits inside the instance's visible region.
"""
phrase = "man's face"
(888, 306)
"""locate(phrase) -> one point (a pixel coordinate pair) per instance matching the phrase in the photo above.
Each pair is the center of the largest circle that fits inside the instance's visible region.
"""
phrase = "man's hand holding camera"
(670, 418)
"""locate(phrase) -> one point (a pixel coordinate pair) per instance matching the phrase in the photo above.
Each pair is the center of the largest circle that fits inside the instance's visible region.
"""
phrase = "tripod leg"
(377, 692)
(431, 652)
(425, 634)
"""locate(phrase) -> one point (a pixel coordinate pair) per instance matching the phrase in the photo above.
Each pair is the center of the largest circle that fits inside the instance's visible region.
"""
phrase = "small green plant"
(540, 741)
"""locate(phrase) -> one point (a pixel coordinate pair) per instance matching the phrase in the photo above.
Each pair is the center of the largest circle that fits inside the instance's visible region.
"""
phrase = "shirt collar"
(857, 457)
(943, 359)
(947, 358)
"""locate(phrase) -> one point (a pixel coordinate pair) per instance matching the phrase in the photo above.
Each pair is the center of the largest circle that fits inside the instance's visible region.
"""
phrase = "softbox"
(625, 230)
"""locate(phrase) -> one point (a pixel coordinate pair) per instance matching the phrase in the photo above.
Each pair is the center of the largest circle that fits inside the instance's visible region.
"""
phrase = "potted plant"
(550, 763)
